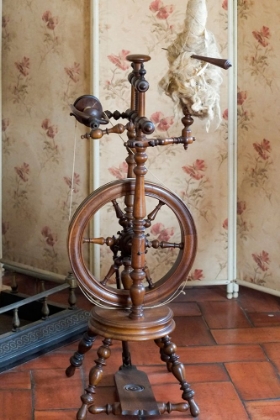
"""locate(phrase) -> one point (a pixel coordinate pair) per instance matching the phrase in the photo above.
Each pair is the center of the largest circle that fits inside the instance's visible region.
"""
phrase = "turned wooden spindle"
(220, 62)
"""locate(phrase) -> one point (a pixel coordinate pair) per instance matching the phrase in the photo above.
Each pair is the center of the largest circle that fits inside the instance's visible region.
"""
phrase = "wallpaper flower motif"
(196, 274)
(50, 255)
(161, 260)
(117, 86)
(120, 172)
(244, 112)
(74, 74)
(50, 39)
(7, 141)
(20, 87)
(244, 8)
(243, 226)
(22, 189)
(50, 147)
(196, 185)
(260, 54)
(162, 30)
(161, 122)
(261, 268)
(6, 35)
(259, 167)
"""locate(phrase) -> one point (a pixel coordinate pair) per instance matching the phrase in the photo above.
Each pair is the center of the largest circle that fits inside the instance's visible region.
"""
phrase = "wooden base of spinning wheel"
(135, 395)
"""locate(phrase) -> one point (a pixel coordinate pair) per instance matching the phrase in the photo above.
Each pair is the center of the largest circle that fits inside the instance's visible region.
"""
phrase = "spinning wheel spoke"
(157, 244)
(148, 277)
(114, 269)
(100, 241)
(151, 216)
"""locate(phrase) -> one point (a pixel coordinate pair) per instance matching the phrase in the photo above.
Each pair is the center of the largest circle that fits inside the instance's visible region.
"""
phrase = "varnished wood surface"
(116, 324)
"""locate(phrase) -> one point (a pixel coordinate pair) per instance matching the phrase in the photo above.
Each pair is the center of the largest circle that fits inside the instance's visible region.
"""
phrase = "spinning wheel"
(133, 308)
(121, 244)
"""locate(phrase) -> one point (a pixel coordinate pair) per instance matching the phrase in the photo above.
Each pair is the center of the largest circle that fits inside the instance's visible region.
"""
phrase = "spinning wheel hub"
(124, 243)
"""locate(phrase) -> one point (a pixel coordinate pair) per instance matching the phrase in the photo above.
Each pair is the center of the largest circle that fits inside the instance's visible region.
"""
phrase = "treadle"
(135, 393)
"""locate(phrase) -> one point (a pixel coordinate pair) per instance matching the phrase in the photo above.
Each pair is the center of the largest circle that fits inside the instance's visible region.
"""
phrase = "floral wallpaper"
(199, 175)
(258, 142)
(45, 67)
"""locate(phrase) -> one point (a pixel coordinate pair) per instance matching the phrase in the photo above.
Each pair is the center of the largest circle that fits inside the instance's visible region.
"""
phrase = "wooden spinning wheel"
(121, 244)
(133, 309)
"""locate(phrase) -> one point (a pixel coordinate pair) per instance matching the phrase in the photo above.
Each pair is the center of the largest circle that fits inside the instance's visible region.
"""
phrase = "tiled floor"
(230, 349)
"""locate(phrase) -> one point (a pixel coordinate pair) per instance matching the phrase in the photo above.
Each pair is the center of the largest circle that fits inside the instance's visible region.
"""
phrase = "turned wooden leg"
(126, 357)
(95, 376)
(167, 350)
(84, 346)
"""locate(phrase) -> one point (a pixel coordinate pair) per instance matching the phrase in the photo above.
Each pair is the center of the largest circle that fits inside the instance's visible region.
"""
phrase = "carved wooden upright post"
(139, 86)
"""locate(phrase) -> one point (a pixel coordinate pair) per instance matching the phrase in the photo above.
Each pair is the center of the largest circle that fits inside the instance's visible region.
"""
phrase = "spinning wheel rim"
(163, 287)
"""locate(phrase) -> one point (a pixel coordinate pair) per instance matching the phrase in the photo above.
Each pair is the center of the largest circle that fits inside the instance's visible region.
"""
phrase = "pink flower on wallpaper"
(197, 274)
(5, 124)
(263, 149)
(262, 260)
(5, 227)
(225, 224)
(50, 20)
(163, 234)
(120, 172)
(241, 207)
(23, 66)
(76, 182)
(73, 72)
(225, 114)
(162, 12)
(225, 4)
(5, 21)
(22, 171)
(241, 97)
(120, 60)
(262, 36)
(196, 170)
(51, 130)
(50, 238)
(162, 123)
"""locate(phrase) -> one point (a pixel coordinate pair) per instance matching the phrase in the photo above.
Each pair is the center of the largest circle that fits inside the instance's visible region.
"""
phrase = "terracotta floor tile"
(216, 400)
(15, 405)
(191, 331)
(185, 308)
(52, 360)
(194, 373)
(224, 314)
(55, 415)
(247, 335)
(53, 390)
(203, 294)
(273, 352)
(254, 301)
(159, 374)
(254, 381)
(263, 410)
(221, 354)
(15, 380)
(264, 319)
